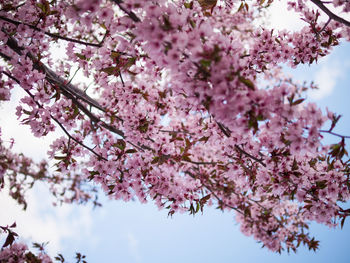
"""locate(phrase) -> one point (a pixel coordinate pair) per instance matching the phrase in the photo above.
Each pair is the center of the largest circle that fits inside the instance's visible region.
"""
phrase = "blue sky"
(131, 232)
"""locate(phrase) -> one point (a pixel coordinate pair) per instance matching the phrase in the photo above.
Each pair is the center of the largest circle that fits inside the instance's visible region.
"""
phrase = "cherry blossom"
(176, 109)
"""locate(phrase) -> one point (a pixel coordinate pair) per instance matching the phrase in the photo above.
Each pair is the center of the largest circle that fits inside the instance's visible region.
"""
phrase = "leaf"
(188, 143)
(297, 102)
(131, 61)
(186, 158)
(143, 126)
(204, 199)
(207, 4)
(197, 207)
(171, 212)
(30, 257)
(155, 160)
(8, 7)
(253, 123)
(204, 139)
(115, 55)
(188, 5)
(75, 112)
(53, 12)
(81, 56)
(10, 239)
(120, 144)
(307, 207)
(59, 257)
(131, 151)
(110, 70)
(335, 119)
(44, 6)
(222, 167)
(313, 244)
(295, 165)
(205, 63)
(60, 157)
(321, 184)
(111, 189)
(192, 23)
(342, 222)
(240, 7)
(247, 82)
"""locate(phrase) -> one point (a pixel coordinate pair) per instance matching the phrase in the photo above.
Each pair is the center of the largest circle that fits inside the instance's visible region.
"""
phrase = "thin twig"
(131, 14)
(53, 35)
(249, 155)
(201, 163)
(121, 79)
(175, 132)
(325, 25)
(70, 137)
(227, 133)
(335, 134)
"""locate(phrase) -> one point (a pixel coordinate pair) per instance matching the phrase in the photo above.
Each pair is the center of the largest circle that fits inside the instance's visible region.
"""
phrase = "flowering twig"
(53, 35)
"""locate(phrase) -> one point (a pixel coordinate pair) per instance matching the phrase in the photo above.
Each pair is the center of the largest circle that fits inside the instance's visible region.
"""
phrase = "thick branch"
(330, 13)
(58, 122)
(67, 89)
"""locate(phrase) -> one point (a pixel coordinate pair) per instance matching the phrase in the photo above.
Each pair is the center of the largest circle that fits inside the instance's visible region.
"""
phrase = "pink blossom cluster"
(20, 173)
(177, 111)
(19, 253)
(342, 3)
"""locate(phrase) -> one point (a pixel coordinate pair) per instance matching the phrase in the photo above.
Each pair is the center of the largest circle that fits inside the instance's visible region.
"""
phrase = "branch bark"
(67, 89)
(330, 14)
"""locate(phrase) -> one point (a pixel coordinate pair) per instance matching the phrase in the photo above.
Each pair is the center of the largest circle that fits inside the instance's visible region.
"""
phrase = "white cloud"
(278, 17)
(326, 79)
(41, 222)
(282, 18)
(133, 245)
(25, 142)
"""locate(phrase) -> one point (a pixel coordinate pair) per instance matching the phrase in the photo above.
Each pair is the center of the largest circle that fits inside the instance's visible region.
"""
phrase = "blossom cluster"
(19, 253)
(176, 110)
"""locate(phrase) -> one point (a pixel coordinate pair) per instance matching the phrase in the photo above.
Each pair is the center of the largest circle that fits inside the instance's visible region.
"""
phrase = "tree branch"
(330, 13)
(336, 134)
(131, 14)
(227, 133)
(53, 35)
(249, 155)
(69, 90)
(58, 123)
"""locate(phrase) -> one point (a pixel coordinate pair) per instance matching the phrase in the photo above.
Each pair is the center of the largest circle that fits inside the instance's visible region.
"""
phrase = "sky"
(131, 232)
